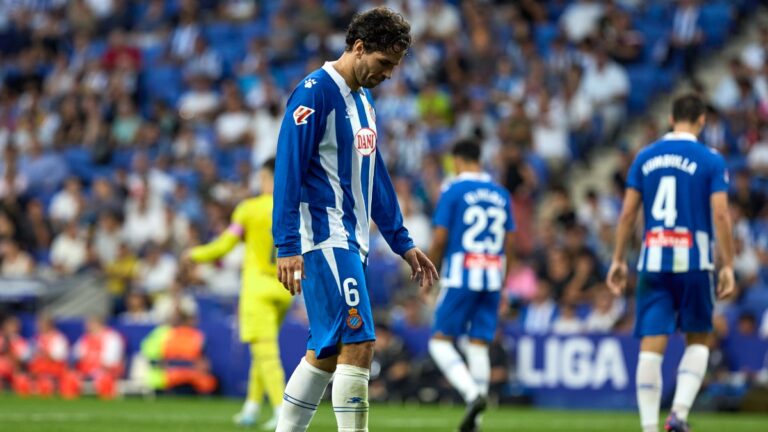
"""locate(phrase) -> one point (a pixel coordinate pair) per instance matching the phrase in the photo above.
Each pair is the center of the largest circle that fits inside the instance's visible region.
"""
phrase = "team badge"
(354, 320)
(301, 114)
(309, 82)
(365, 141)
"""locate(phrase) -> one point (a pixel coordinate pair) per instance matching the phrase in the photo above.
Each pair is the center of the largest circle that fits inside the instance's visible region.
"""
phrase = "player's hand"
(617, 277)
(725, 283)
(290, 271)
(422, 269)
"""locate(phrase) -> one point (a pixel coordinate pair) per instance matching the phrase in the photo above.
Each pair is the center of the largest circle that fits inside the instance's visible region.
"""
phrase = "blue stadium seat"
(79, 162)
(643, 87)
(715, 21)
(543, 34)
(163, 82)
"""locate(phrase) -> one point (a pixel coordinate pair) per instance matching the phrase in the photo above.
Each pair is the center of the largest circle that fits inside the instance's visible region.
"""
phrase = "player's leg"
(355, 328)
(303, 392)
(452, 316)
(655, 321)
(350, 386)
(307, 384)
(266, 348)
(249, 413)
(696, 309)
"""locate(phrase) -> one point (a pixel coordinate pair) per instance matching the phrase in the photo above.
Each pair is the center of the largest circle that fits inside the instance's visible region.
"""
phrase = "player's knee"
(357, 354)
(697, 338)
(442, 336)
(327, 364)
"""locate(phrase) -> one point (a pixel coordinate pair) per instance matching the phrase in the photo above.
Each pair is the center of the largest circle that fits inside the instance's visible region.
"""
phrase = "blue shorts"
(461, 311)
(670, 301)
(336, 297)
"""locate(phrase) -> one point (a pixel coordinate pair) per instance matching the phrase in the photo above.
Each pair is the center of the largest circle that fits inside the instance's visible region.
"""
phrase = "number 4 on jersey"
(664, 204)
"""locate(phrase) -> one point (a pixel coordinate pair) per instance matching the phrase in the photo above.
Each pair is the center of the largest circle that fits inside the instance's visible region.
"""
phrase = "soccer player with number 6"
(682, 187)
(331, 181)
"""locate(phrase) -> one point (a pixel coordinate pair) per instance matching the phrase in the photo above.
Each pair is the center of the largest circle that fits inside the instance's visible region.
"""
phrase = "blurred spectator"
(539, 314)
(68, 203)
(50, 355)
(99, 356)
(623, 44)
(156, 271)
(136, 310)
(177, 352)
(15, 262)
(38, 228)
(144, 221)
(175, 299)
(234, 123)
(747, 324)
(606, 85)
(567, 321)
(605, 312)
(14, 354)
(390, 369)
(200, 101)
(120, 275)
(686, 35)
(581, 18)
(44, 171)
(107, 238)
(69, 250)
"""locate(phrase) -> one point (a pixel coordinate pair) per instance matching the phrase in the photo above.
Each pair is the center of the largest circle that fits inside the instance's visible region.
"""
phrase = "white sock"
(303, 392)
(690, 373)
(452, 365)
(350, 398)
(250, 408)
(480, 366)
(276, 411)
(648, 384)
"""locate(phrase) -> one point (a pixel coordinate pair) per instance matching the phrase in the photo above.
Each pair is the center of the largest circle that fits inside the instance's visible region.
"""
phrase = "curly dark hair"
(381, 29)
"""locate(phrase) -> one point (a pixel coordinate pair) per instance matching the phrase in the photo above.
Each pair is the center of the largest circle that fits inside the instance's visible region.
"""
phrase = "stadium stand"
(130, 129)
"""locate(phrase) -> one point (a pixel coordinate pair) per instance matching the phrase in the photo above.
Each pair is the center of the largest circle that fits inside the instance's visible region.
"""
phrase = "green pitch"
(198, 415)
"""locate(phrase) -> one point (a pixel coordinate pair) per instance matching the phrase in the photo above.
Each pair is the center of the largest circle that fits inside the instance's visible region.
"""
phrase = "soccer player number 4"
(664, 204)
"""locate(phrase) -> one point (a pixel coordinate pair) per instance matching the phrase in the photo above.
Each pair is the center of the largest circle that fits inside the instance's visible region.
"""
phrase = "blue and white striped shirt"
(329, 179)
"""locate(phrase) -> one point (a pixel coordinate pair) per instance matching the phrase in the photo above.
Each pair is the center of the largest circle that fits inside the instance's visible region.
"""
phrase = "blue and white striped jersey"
(329, 179)
(676, 177)
(477, 214)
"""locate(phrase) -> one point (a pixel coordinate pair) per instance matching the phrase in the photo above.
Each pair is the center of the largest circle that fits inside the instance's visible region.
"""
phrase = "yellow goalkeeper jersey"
(252, 223)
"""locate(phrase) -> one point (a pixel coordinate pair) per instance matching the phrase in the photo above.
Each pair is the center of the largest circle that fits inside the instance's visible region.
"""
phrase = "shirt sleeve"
(385, 210)
(635, 176)
(444, 210)
(510, 224)
(300, 133)
(719, 181)
(225, 242)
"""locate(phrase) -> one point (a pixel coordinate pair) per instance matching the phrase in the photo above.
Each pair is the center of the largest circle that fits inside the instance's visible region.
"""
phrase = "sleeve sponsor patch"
(301, 114)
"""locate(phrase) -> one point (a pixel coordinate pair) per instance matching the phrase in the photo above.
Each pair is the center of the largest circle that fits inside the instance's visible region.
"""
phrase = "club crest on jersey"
(301, 114)
(365, 141)
(354, 320)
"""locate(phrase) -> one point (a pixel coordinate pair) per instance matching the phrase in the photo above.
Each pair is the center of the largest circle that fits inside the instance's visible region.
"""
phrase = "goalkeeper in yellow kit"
(263, 299)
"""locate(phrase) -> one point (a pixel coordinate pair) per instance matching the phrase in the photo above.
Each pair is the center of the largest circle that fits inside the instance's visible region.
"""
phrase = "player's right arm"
(721, 219)
(224, 243)
(300, 133)
(617, 274)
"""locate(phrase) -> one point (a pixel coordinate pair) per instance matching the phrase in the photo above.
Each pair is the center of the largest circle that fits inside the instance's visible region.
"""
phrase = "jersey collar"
(479, 176)
(337, 78)
(680, 136)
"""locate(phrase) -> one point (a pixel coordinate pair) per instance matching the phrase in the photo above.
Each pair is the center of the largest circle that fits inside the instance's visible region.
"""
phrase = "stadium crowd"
(129, 130)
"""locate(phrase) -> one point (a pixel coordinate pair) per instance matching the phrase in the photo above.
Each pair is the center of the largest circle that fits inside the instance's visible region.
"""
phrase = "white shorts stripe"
(331, 259)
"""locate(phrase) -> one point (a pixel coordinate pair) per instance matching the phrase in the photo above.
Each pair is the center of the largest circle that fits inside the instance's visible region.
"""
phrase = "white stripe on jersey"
(681, 255)
(455, 271)
(703, 244)
(329, 160)
(372, 162)
(361, 218)
(641, 261)
(305, 227)
(494, 278)
(328, 254)
(654, 258)
(475, 278)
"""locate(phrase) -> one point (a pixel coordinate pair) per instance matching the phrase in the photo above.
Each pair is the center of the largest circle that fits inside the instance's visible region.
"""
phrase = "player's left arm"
(385, 211)
(721, 219)
(224, 243)
(509, 239)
